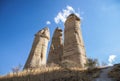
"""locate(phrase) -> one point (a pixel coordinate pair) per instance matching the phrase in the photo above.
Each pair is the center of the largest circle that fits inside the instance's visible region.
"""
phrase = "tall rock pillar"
(37, 56)
(74, 49)
(56, 48)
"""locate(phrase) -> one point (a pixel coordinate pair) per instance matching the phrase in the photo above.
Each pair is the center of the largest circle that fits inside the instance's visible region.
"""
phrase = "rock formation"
(74, 49)
(56, 48)
(37, 55)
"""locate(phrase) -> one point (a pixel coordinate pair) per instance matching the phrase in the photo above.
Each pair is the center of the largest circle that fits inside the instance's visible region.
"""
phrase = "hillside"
(52, 74)
(115, 72)
(57, 73)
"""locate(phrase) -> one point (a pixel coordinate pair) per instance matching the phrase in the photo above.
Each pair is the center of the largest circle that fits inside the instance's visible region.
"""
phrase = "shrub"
(91, 63)
(16, 69)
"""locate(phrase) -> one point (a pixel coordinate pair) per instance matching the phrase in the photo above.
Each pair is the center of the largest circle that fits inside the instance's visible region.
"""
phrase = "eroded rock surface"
(37, 56)
(56, 48)
(74, 49)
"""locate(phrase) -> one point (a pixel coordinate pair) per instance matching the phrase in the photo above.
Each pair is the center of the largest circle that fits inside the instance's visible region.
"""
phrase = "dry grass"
(67, 71)
(55, 73)
(31, 71)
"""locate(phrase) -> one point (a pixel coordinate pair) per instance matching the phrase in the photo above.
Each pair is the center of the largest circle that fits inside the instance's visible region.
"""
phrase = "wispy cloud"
(48, 22)
(111, 59)
(62, 15)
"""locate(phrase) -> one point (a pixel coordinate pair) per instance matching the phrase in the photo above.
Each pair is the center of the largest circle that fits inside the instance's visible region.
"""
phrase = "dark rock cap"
(73, 16)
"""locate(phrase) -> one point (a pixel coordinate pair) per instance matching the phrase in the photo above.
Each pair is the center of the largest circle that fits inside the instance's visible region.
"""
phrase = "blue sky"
(21, 19)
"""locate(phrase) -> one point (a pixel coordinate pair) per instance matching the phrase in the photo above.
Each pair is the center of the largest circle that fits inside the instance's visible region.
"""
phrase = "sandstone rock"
(37, 55)
(74, 49)
(56, 48)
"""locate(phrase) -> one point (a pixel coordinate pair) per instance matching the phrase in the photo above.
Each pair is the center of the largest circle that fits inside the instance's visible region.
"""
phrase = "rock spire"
(56, 48)
(37, 56)
(74, 49)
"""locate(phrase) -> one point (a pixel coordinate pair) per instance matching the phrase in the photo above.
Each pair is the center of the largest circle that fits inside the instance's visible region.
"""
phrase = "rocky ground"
(115, 72)
(103, 76)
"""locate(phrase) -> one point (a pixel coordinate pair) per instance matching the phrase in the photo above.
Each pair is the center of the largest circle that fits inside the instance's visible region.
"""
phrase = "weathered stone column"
(56, 48)
(37, 55)
(74, 49)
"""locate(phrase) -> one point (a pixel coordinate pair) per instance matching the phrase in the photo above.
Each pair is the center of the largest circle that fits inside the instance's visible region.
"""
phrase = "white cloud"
(62, 15)
(48, 22)
(111, 59)
(69, 8)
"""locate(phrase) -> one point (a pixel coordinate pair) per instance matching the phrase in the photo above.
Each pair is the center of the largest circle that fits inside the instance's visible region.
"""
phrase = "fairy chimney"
(37, 56)
(56, 48)
(74, 49)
